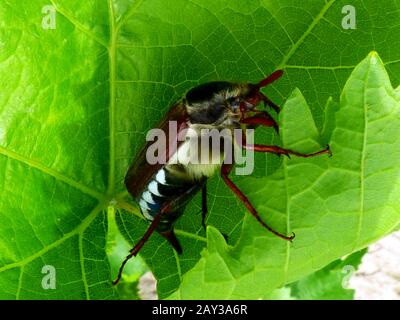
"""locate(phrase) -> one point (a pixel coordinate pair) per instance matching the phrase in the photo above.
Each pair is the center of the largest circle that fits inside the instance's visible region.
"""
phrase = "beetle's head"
(213, 102)
(247, 96)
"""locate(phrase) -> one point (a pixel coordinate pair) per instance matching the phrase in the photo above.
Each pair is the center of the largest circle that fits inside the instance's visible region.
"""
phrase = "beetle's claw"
(328, 149)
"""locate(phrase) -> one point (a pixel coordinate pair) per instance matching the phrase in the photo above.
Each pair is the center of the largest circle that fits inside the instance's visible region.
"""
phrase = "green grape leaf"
(329, 283)
(334, 205)
(78, 96)
(54, 151)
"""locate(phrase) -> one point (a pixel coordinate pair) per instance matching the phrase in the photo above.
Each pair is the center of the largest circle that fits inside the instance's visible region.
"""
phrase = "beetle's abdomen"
(161, 192)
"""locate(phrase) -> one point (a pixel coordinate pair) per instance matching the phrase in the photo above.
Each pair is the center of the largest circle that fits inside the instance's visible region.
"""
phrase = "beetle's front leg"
(261, 118)
(268, 102)
(265, 82)
(135, 250)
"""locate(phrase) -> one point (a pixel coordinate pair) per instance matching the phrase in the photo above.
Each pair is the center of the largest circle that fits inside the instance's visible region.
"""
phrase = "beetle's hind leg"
(171, 237)
(204, 209)
(135, 250)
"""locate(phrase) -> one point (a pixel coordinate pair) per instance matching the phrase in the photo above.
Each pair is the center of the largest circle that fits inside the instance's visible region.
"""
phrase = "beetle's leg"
(271, 78)
(225, 169)
(268, 102)
(287, 152)
(265, 82)
(135, 250)
(171, 237)
(261, 118)
(204, 209)
(279, 150)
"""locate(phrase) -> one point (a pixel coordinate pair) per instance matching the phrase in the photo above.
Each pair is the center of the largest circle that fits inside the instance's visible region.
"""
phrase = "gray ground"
(147, 287)
(379, 274)
(377, 278)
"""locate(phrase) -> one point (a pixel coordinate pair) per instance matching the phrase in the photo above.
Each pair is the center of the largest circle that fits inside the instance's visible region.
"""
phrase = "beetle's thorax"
(215, 107)
(209, 110)
(203, 151)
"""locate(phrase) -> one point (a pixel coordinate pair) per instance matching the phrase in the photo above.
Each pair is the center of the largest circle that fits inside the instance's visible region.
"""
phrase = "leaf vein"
(316, 20)
(82, 226)
(78, 25)
(51, 172)
(82, 263)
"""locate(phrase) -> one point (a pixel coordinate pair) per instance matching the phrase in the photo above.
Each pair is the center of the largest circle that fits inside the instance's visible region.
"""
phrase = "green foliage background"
(76, 102)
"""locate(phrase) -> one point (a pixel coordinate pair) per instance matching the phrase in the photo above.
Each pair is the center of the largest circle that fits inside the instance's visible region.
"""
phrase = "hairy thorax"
(204, 150)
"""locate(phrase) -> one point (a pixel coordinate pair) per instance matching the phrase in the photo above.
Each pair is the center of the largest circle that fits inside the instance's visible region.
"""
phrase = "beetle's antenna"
(271, 78)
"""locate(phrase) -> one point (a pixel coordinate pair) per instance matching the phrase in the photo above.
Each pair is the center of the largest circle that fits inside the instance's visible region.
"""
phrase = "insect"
(163, 190)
